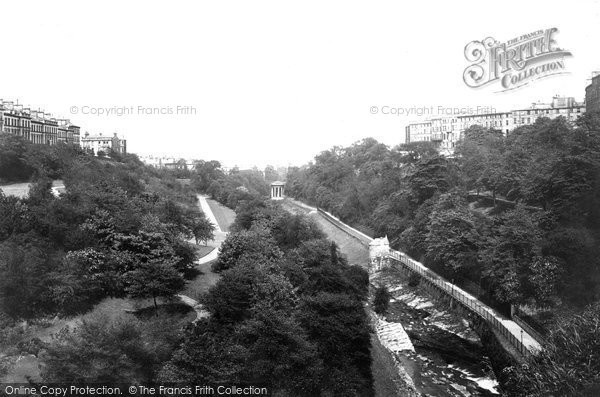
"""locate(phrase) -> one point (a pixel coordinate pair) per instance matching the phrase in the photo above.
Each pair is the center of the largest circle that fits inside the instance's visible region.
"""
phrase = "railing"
(468, 301)
(528, 328)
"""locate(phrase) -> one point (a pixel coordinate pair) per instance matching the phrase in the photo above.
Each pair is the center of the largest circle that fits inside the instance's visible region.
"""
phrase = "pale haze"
(272, 82)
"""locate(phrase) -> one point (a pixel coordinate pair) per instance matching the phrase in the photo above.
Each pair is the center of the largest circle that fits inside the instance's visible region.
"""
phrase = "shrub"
(414, 279)
(381, 300)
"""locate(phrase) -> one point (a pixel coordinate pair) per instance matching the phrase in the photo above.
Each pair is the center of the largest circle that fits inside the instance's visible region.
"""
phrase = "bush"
(381, 300)
(414, 279)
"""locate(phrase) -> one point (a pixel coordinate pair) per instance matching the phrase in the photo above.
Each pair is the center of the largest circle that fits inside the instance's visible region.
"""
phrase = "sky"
(271, 82)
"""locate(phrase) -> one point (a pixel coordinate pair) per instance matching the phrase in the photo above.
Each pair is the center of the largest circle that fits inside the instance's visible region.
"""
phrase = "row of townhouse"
(446, 131)
(41, 128)
(36, 126)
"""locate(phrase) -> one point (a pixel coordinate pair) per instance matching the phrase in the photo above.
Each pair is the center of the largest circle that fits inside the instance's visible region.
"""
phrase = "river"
(429, 350)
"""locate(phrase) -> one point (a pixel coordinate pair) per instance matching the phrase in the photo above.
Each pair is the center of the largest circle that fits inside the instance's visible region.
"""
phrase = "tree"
(75, 355)
(316, 252)
(509, 253)
(452, 240)
(207, 355)
(79, 281)
(338, 326)
(202, 229)
(481, 153)
(432, 175)
(154, 279)
(257, 244)
(418, 150)
(13, 165)
(569, 363)
(292, 230)
(109, 349)
(255, 211)
(271, 175)
(205, 173)
(13, 216)
(277, 353)
(25, 264)
(231, 299)
(381, 300)
(413, 238)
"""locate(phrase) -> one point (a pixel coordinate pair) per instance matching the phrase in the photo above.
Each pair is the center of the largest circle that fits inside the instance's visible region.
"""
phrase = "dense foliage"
(234, 186)
(112, 349)
(569, 365)
(532, 237)
(514, 219)
(118, 229)
(381, 300)
(287, 312)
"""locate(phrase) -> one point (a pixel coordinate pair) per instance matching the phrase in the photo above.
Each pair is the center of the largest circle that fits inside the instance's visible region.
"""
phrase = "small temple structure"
(277, 189)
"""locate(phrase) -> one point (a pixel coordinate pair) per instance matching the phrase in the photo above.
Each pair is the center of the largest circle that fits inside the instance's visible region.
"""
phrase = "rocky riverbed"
(446, 358)
(436, 351)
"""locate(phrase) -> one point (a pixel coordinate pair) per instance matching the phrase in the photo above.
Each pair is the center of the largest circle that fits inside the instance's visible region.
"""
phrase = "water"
(447, 358)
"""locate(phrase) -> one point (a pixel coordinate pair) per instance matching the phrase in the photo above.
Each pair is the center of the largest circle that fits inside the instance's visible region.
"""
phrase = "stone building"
(104, 144)
(592, 95)
(418, 132)
(36, 126)
(379, 249)
(447, 131)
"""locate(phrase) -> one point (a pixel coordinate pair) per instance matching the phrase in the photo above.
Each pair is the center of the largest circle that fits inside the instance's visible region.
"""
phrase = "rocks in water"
(448, 357)
(448, 345)
(406, 313)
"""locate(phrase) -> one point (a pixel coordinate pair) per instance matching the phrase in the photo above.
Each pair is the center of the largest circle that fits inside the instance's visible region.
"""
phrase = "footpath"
(220, 235)
(513, 332)
(207, 278)
(439, 334)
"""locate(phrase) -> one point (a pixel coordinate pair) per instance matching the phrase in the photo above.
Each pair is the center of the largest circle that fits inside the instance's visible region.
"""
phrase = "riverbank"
(448, 357)
(442, 363)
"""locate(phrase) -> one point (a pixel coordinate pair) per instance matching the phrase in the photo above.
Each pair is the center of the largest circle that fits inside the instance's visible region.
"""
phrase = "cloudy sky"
(270, 82)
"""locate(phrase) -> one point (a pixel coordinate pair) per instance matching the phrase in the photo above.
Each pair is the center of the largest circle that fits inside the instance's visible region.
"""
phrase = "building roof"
(277, 183)
(100, 137)
(381, 241)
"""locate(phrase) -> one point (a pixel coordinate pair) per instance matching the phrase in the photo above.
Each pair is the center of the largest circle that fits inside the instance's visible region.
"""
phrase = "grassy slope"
(16, 189)
(225, 216)
(200, 285)
(28, 366)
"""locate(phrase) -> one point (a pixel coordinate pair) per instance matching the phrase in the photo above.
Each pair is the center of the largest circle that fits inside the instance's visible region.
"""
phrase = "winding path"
(194, 304)
(205, 280)
(220, 235)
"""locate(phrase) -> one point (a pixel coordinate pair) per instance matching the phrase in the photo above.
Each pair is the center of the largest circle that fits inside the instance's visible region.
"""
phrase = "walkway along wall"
(360, 236)
(512, 332)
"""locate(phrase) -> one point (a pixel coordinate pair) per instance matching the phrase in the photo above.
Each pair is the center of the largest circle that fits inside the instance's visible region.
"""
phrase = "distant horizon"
(260, 165)
(228, 81)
